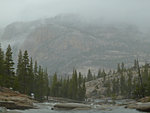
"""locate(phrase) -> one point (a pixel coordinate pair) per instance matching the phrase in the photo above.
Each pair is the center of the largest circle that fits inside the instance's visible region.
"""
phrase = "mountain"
(68, 41)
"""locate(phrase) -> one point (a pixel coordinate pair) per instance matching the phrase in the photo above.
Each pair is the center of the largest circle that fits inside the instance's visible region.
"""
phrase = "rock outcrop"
(145, 99)
(14, 100)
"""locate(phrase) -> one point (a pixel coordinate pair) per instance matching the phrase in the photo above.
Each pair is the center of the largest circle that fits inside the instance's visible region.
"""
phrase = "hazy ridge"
(66, 42)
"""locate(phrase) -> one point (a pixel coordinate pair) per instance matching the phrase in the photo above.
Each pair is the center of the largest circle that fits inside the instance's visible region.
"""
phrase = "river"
(46, 108)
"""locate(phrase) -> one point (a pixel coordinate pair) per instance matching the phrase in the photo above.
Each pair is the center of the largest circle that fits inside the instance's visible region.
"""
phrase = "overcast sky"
(131, 11)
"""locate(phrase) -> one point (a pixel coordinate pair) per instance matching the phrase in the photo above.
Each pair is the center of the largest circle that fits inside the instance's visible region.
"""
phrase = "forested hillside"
(26, 78)
(31, 79)
(130, 82)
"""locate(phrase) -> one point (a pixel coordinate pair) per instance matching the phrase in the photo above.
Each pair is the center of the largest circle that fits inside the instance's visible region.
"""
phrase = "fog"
(125, 11)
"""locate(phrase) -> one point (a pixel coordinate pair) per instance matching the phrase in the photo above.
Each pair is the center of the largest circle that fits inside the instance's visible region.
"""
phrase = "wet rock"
(143, 107)
(3, 110)
(71, 106)
(15, 105)
(131, 106)
(13, 112)
(140, 106)
(104, 107)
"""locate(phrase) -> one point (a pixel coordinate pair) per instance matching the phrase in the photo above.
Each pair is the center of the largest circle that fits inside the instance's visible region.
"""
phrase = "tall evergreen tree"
(1, 67)
(9, 69)
(89, 75)
(46, 84)
(122, 84)
(104, 75)
(129, 84)
(25, 72)
(54, 88)
(74, 84)
(99, 73)
(31, 77)
(122, 67)
(19, 71)
(118, 68)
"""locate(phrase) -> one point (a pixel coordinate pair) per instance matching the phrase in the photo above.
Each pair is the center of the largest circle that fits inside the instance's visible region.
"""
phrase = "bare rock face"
(96, 88)
(14, 100)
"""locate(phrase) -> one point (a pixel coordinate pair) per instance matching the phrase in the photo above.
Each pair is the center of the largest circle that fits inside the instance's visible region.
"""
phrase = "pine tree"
(74, 84)
(108, 90)
(40, 92)
(99, 73)
(122, 67)
(135, 64)
(122, 84)
(35, 67)
(54, 88)
(9, 69)
(31, 77)
(1, 67)
(104, 75)
(19, 71)
(89, 75)
(46, 84)
(140, 85)
(64, 89)
(118, 69)
(25, 72)
(80, 87)
(83, 90)
(129, 84)
(114, 88)
(73, 88)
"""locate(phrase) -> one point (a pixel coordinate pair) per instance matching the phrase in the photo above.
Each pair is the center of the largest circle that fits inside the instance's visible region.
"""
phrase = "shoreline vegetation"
(31, 82)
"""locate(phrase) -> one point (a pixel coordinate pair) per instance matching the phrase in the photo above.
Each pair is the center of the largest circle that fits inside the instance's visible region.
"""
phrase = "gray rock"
(140, 106)
(14, 105)
(71, 106)
(143, 107)
(3, 110)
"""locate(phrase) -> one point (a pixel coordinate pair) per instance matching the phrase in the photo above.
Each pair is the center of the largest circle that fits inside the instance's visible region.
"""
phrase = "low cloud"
(127, 11)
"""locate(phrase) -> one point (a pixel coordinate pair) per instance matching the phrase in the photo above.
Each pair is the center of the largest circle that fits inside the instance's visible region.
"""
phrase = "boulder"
(15, 105)
(143, 107)
(145, 99)
(131, 106)
(140, 106)
(71, 106)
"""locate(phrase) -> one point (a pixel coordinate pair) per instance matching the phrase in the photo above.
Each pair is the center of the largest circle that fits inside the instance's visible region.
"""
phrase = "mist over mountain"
(65, 42)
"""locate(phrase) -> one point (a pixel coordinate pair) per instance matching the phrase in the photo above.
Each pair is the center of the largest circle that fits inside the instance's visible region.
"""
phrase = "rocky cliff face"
(65, 42)
(98, 88)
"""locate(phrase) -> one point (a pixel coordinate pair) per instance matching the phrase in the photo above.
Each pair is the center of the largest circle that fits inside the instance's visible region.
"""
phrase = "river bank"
(46, 108)
(14, 100)
(105, 104)
(98, 106)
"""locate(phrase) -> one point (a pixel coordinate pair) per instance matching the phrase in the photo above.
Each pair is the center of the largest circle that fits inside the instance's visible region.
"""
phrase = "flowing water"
(46, 108)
